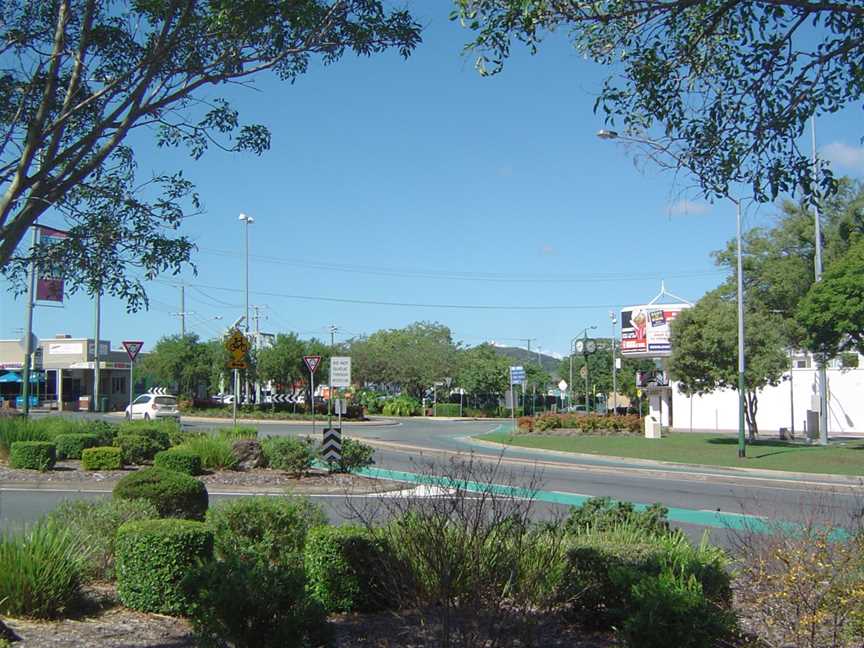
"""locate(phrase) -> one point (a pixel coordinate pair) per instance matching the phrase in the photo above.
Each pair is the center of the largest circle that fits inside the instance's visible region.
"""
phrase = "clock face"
(590, 346)
(579, 346)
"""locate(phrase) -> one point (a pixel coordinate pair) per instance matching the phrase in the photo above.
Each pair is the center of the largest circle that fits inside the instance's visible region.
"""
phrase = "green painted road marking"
(716, 519)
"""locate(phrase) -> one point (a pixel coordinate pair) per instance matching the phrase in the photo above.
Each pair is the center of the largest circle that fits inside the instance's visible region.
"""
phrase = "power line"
(469, 276)
(369, 302)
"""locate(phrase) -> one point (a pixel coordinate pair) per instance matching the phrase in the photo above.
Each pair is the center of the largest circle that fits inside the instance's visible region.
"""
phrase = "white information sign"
(340, 371)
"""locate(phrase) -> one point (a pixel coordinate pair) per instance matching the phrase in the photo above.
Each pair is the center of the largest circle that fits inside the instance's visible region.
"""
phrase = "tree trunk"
(750, 409)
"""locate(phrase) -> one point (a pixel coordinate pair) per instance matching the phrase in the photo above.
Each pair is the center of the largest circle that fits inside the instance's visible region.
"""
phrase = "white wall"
(719, 410)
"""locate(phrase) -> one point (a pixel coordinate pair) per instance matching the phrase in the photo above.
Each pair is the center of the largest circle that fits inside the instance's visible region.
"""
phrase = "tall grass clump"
(54, 426)
(16, 428)
(40, 572)
(237, 433)
(94, 526)
(215, 452)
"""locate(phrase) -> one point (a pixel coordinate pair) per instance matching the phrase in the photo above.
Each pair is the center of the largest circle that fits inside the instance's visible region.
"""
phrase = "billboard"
(645, 329)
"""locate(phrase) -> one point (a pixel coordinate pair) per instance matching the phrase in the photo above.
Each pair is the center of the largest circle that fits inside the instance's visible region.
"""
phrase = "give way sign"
(132, 348)
(312, 362)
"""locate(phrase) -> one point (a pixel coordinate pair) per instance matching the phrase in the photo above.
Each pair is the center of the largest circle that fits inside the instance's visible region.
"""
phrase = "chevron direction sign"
(159, 391)
(283, 398)
(331, 448)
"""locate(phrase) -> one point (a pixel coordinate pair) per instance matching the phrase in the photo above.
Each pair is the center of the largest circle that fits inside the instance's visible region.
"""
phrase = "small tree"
(832, 312)
(179, 361)
(705, 351)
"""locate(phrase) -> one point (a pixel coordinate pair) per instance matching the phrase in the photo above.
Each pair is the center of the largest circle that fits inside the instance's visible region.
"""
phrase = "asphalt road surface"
(698, 498)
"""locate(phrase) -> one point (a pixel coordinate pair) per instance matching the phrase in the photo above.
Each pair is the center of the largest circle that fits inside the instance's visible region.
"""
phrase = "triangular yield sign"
(132, 348)
(312, 362)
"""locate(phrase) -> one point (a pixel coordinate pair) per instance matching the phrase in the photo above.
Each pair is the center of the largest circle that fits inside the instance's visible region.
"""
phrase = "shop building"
(62, 374)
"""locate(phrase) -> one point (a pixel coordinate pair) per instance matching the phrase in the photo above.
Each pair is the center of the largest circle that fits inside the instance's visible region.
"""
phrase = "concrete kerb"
(727, 471)
(253, 421)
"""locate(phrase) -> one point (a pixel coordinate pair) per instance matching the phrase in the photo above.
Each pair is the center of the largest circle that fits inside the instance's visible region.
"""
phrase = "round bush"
(106, 432)
(344, 567)
(136, 448)
(33, 455)
(289, 454)
(263, 530)
(172, 493)
(158, 433)
(152, 559)
(179, 460)
(70, 446)
(102, 458)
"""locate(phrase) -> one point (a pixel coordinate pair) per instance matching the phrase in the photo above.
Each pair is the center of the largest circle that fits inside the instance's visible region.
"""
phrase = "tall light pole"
(817, 266)
(247, 221)
(612, 135)
(614, 368)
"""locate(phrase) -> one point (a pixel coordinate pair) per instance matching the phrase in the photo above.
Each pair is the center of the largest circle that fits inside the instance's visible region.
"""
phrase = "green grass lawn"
(706, 449)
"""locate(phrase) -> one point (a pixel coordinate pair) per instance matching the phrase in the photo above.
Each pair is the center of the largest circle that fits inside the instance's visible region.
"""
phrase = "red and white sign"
(133, 347)
(50, 288)
(312, 362)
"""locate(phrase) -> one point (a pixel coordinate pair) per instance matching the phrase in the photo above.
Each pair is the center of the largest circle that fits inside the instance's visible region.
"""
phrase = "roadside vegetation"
(621, 437)
(465, 568)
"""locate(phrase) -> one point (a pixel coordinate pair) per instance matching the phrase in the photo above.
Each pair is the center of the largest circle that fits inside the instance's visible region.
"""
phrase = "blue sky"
(420, 182)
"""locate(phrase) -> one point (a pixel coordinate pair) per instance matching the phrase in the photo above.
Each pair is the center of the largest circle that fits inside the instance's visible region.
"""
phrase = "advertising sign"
(49, 288)
(645, 329)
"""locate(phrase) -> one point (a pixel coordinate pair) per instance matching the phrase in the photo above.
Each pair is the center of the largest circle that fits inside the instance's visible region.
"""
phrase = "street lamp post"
(612, 135)
(572, 352)
(247, 221)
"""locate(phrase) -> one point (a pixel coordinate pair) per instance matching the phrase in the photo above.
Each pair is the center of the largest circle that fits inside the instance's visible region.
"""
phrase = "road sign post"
(312, 363)
(340, 376)
(517, 376)
(133, 348)
(331, 447)
(238, 346)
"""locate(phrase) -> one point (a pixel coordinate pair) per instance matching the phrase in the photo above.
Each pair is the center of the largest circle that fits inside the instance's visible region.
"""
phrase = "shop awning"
(15, 377)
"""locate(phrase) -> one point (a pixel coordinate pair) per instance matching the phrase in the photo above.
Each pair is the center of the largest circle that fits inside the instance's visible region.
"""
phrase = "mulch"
(313, 482)
(109, 625)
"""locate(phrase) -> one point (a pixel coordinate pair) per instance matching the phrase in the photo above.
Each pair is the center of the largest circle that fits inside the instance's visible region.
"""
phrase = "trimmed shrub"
(602, 514)
(247, 605)
(136, 448)
(604, 567)
(153, 558)
(446, 409)
(40, 572)
(264, 530)
(18, 428)
(402, 405)
(159, 432)
(33, 455)
(344, 568)
(172, 493)
(94, 525)
(291, 454)
(69, 446)
(671, 609)
(215, 452)
(547, 422)
(178, 459)
(105, 431)
(525, 424)
(102, 458)
(355, 454)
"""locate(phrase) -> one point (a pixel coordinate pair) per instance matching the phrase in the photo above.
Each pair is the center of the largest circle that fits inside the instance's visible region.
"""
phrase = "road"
(694, 496)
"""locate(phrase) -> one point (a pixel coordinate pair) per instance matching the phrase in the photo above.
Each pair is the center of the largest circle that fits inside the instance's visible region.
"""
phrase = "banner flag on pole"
(49, 288)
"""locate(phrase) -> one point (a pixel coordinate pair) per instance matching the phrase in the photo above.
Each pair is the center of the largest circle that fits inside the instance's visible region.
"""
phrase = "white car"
(153, 406)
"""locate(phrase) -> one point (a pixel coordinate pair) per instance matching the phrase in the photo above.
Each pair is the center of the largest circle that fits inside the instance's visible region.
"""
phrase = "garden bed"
(314, 481)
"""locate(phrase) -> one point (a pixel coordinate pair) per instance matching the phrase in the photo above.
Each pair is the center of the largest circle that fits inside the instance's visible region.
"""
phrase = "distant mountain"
(522, 356)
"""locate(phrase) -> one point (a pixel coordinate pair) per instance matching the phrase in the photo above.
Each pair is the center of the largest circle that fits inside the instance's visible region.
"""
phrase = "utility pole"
(333, 329)
(97, 374)
(28, 329)
(183, 312)
(614, 366)
(817, 264)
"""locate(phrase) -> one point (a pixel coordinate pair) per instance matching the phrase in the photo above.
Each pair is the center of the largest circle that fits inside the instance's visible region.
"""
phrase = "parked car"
(153, 406)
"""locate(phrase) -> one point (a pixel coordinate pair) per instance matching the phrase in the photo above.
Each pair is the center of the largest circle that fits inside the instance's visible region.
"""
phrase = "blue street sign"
(517, 375)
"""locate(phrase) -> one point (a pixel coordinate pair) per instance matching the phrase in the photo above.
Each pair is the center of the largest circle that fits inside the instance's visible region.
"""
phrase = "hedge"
(172, 493)
(152, 559)
(447, 409)
(136, 448)
(70, 446)
(344, 568)
(102, 458)
(179, 460)
(33, 455)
